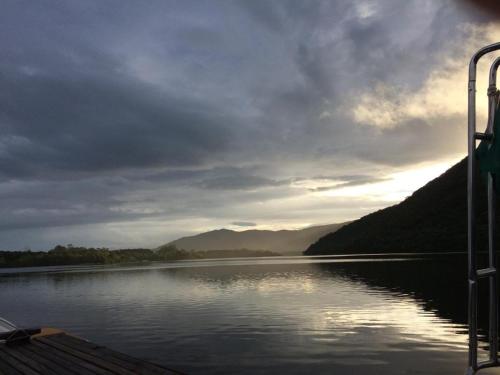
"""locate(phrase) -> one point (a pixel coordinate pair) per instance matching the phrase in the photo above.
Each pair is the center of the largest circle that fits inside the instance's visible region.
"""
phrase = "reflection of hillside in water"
(439, 283)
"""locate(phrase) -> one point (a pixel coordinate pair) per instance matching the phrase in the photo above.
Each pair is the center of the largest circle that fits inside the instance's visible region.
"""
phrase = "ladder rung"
(486, 364)
(483, 136)
(485, 272)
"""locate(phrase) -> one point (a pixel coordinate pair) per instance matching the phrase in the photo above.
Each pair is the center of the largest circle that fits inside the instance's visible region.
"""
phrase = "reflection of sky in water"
(261, 317)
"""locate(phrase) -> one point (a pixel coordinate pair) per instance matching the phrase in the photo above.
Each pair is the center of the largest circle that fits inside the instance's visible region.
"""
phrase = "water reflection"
(290, 315)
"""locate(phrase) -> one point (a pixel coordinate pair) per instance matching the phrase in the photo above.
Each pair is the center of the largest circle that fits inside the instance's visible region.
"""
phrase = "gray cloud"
(88, 125)
(181, 113)
(244, 224)
(350, 181)
(239, 182)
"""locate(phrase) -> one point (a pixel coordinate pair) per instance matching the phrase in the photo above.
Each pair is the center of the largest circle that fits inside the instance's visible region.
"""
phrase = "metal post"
(471, 222)
(492, 262)
(473, 365)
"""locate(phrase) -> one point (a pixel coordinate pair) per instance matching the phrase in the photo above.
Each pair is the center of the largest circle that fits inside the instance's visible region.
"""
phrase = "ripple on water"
(294, 315)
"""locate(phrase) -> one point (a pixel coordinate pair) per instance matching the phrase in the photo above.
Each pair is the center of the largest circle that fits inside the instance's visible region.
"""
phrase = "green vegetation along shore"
(70, 255)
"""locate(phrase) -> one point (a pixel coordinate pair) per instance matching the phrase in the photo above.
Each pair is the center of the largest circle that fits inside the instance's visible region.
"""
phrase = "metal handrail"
(491, 271)
(15, 335)
(6, 322)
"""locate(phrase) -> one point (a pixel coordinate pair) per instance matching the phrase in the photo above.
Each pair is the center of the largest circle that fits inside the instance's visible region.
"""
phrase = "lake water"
(290, 315)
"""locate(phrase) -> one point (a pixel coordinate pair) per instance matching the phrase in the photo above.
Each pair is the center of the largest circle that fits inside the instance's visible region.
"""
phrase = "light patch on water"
(282, 315)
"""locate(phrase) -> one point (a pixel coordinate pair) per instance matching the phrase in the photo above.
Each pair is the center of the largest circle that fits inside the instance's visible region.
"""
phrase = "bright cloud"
(443, 93)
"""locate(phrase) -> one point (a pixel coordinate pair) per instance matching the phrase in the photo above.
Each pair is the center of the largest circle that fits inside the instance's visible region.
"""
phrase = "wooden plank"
(6, 369)
(28, 360)
(57, 359)
(67, 362)
(13, 362)
(55, 352)
(73, 362)
(53, 366)
(2, 372)
(120, 359)
(92, 349)
(85, 357)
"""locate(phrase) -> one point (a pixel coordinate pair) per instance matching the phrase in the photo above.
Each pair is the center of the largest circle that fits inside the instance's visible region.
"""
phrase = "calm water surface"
(292, 315)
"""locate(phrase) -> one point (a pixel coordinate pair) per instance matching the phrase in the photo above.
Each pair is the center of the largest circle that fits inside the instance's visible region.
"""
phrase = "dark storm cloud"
(69, 104)
(85, 123)
(122, 111)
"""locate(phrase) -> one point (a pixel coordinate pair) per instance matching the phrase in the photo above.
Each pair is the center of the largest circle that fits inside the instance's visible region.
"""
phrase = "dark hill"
(433, 218)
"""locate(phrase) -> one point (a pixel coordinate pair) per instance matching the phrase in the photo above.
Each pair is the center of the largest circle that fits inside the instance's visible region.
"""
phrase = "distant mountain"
(282, 241)
(433, 218)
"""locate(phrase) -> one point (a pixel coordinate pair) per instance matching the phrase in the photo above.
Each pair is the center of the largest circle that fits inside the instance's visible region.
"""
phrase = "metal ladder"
(490, 272)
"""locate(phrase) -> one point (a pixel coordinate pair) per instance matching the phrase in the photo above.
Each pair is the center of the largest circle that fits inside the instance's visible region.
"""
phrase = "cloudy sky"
(130, 123)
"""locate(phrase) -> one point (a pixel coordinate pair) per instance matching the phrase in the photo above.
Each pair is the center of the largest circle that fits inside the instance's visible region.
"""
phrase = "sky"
(130, 123)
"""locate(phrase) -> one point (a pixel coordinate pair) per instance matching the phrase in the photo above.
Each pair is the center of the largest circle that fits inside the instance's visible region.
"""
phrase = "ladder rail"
(492, 261)
(473, 364)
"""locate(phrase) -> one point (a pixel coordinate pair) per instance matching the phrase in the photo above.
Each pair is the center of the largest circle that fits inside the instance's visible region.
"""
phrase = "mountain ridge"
(285, 241)
(433, 218)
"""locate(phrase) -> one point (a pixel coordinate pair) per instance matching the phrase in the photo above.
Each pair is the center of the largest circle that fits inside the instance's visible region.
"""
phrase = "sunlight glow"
(397, 187)
(389, 106)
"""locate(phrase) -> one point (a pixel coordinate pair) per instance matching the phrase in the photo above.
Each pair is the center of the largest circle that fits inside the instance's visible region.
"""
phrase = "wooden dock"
(56, 352)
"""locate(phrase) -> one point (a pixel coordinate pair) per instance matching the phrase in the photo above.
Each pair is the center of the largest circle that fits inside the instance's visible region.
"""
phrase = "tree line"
(72, 255)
